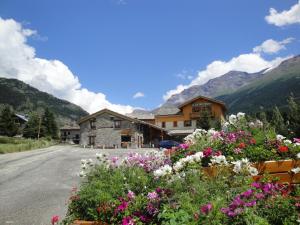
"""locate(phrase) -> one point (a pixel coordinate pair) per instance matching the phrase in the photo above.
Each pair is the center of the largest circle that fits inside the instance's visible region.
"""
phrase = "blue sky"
(119, 48)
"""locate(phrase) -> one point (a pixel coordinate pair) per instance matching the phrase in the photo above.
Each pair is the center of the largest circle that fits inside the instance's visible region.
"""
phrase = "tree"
(204, 121)
(33, 127)
(49, 124)
(278, 122)
(8, 126)
(294, 116)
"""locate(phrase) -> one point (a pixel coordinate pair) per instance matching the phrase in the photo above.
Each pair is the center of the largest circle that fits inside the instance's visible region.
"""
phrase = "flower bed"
(208, 180)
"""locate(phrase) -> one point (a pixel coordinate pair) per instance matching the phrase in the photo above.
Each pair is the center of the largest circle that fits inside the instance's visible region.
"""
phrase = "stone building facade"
(108, 129)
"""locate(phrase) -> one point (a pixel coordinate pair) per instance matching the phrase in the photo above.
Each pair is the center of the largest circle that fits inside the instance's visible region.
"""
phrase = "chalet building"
(70, 134)
(183, 121)
(109, 129)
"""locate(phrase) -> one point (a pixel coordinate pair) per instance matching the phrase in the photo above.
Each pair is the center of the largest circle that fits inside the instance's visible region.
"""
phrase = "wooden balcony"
(197, 115)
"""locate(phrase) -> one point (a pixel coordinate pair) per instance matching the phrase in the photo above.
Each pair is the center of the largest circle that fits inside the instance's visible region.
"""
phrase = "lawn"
(12, 144)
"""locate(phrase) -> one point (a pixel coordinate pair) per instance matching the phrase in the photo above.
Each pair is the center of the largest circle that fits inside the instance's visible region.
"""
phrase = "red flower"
(207, 152)
(252, 141)
(242, 145)
(54, 219)
(217, 153)
(283, 148)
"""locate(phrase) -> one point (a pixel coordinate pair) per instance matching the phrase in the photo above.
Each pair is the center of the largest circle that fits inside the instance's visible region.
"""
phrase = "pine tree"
(8, 126)
(49, 124)
(278, 122)
(33, 127)
(204, 121)
(294, 116)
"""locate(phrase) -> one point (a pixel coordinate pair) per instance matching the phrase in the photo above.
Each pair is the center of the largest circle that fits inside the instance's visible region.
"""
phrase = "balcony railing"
(197, 115)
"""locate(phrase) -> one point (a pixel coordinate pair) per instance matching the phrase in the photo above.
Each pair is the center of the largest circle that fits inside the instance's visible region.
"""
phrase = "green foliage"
(294, 116)
(8, 126)
(9, 144)
(33, 127)
(49, 125)
(278, 122)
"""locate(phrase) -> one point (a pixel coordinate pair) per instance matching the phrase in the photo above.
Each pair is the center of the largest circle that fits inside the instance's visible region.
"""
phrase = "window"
(125, 138)
(91, 140)
(93, 124)
(117, 123)
(65, 133)
(69, 133)
(174, 123)
(187, 123)
(163, 124)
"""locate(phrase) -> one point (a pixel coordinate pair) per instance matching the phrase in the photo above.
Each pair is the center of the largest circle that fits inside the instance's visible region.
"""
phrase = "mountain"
(222, 85)
(24, 98)
(272, 89)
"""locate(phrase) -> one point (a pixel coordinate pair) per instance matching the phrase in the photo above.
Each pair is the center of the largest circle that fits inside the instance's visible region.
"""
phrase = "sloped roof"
(22, 117)
(86, 118)
(205, 98)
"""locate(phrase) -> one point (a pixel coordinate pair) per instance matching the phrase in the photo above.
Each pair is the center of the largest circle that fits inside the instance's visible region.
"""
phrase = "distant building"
(70, 134)
(182, 121)
(21, 122)
(109, 129)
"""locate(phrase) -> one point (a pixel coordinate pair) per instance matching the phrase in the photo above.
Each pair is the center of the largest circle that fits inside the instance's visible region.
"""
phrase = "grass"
(12, 144)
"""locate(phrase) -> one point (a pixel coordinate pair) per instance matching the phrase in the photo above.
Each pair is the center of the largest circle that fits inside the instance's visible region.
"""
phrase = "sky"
(128, 54)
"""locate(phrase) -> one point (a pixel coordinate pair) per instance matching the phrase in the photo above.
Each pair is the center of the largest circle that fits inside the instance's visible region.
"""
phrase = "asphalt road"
(35, 185)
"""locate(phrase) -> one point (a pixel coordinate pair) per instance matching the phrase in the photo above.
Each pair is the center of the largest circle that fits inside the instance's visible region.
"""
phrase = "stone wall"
(106, 135)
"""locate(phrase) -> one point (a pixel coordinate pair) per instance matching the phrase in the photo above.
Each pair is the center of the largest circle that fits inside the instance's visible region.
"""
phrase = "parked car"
(168, 144)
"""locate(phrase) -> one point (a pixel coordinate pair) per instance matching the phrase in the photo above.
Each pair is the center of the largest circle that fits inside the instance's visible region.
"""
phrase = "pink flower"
(184, 146)
(297, 140)
(207, 152)
(127, 221)
(54, 219)
(206, 208)
(152, 195)
(237, 150)
(130, 195)
(122, 206)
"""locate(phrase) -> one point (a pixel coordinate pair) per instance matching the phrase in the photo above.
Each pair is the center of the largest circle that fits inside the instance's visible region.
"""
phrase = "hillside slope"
(272, 89)
(24, 98)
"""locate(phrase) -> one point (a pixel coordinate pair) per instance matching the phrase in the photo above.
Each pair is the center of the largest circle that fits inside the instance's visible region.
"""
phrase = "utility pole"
(39, 130)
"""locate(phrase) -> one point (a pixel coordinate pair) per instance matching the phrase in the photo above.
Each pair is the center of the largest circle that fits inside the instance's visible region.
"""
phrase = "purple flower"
(247, 194)
(152, 195)
(259, 196)
(151, 209)
(256, 185)
(206, 208)
(250, 204)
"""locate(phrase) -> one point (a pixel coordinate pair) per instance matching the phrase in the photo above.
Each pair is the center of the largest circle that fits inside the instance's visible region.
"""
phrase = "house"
(21, 122)
(70, 134)
(109, 129)
(182, 120)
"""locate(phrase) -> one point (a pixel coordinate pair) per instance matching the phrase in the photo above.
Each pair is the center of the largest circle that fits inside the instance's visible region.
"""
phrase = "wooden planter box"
(280, 169)
(275, 169)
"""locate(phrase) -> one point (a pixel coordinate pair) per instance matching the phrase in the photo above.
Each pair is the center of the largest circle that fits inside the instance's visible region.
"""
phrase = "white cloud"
(251, 63)
(286, 17)
(271, 46)
(18, 60)
(138, 95)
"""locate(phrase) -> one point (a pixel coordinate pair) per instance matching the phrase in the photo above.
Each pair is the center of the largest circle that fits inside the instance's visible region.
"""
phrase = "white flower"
(89, 161)
(259, 124)
(178, 166)
(163, 171)
(198, 156)
(253, 171)
(83, 166)
(82, 174)
(251, 125)
(83, 161)
(298, 155)
(237, 166)
(232, 119)
(279, 137)
(287, 142)
(240, 115)
(221, 159)
(296, 170)
(296, 144)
